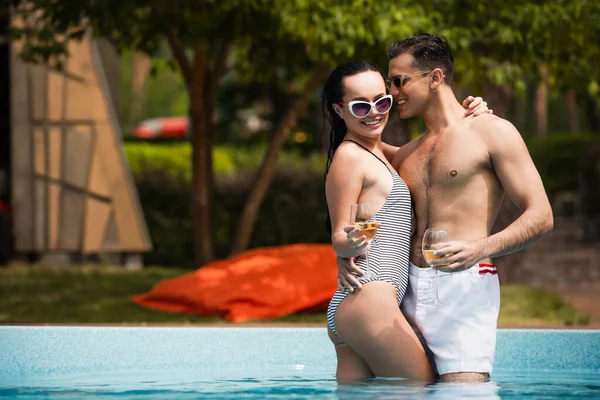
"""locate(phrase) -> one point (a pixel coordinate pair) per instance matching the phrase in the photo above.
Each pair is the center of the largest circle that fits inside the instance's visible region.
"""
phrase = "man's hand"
(458, 255)
(346, 274)
(475, 106)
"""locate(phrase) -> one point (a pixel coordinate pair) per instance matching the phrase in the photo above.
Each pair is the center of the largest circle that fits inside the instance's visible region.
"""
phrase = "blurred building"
(65, 187)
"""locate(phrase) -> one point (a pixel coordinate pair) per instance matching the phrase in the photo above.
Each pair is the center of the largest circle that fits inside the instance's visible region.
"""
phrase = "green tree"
(553, 43)
(200, 34)
(293, 42)
(313, 36)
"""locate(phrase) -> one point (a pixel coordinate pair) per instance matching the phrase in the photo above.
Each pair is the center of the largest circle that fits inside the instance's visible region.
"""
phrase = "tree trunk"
(201, 86)
(593, 114)
(267, 169)
(140, 69)
(541, 103)
(202, 173)
(497, 97)
(571, 100)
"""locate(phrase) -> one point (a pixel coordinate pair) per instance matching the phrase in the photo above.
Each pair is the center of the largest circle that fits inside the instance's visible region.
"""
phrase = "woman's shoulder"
(348, 152)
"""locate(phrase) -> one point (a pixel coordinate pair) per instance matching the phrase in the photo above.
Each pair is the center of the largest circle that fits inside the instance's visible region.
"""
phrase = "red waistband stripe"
(487, 269)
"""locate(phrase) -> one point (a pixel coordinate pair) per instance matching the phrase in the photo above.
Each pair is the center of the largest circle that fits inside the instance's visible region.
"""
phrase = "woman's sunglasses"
(361, 109)
(400, 80)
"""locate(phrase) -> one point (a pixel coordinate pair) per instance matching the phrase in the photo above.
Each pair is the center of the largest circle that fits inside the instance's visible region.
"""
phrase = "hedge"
(293, 211)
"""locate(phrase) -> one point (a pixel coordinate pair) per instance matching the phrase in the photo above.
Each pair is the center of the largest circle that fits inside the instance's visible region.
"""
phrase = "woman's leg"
(371, 324)
(350, 367)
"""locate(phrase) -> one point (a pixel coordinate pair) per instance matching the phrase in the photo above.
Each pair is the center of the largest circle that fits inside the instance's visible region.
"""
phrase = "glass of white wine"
(361, 216)
(431, 238)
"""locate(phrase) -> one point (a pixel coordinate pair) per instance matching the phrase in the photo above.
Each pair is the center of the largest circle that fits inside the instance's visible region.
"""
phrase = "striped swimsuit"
(390, 248)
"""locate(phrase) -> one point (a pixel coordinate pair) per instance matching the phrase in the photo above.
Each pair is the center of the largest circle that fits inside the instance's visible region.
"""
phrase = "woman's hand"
(356, 241)
(475, 106)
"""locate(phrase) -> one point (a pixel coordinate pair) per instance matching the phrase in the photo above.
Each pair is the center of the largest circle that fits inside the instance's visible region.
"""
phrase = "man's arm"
(523, 186)
(522, 183)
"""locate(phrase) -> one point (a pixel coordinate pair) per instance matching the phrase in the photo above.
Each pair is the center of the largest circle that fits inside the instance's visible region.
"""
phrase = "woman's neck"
(369, 143)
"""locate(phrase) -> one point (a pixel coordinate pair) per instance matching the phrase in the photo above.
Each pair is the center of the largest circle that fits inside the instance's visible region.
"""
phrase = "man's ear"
(337, 109)
(437, 78)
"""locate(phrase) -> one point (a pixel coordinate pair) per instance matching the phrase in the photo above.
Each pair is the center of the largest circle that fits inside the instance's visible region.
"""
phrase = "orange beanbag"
(257, 284)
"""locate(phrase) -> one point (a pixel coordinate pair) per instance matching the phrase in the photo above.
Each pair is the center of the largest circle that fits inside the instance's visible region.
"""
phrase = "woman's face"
(365, 86)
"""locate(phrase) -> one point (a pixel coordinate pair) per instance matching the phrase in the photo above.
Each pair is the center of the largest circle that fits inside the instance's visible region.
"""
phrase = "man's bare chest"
(442, 167)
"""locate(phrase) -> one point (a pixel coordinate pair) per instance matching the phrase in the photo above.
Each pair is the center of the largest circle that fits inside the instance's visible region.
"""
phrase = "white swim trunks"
(462, 334)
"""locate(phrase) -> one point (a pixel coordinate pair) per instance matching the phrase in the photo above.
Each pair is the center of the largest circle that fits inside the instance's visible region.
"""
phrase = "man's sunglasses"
(361, 109)
(399, 80)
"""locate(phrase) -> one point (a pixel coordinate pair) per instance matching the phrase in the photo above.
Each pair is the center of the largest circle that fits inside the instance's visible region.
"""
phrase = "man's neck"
(443, 111)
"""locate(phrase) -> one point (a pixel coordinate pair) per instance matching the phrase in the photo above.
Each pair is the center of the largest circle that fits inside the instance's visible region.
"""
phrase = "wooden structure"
(72, 191)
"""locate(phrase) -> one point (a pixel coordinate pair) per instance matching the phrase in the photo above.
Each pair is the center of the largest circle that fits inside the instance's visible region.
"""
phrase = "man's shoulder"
(499, 135)
(490, 122)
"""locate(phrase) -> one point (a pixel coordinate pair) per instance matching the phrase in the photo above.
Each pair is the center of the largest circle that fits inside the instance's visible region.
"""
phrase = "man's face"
(412, 96)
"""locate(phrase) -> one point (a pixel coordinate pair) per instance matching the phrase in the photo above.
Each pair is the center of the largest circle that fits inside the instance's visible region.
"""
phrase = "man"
(458, 172)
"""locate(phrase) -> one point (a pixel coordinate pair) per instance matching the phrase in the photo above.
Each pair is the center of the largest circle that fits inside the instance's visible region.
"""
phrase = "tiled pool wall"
(52, 351)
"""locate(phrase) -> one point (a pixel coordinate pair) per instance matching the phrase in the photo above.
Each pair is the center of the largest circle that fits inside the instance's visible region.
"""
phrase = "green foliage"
(537, 306)
(86, 294)
(507, 42)
(175, 159)
(140, 25)
(163, 179)
(164, 94)
(345, 30)
(286, 44)
(557, 160)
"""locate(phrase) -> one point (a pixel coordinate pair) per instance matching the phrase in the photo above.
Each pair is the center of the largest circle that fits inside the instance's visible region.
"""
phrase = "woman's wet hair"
(333, 93)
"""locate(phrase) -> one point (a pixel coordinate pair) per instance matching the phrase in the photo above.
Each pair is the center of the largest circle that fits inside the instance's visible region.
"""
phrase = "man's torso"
(452, 184)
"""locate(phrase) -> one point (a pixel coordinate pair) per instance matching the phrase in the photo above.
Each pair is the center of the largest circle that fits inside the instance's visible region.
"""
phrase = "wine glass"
(433, 237)
(361, 216)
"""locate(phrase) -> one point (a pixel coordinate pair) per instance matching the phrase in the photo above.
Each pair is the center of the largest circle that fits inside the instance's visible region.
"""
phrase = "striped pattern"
(487, 269)
(390, 249)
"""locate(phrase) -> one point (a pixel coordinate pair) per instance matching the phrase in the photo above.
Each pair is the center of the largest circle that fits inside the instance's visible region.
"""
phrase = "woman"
(370, 334)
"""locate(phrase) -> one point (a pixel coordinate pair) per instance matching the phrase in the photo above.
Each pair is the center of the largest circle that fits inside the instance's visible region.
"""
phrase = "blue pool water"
(266, 363)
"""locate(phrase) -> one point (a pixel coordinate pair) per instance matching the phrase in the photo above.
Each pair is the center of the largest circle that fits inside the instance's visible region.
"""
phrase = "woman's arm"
(342, 188)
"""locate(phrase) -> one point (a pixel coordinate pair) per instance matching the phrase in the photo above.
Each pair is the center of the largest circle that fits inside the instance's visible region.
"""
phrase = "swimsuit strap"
(374, 155)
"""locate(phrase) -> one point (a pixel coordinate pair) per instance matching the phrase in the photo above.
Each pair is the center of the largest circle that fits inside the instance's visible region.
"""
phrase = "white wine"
(429, 256)
(369, 229)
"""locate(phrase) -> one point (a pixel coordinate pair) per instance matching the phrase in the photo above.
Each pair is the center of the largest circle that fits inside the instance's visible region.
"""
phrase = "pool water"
(266, 363)
(187, 385)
